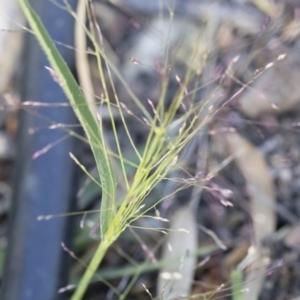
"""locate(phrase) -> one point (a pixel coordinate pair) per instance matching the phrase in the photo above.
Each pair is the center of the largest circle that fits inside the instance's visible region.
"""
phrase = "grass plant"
(162, 148)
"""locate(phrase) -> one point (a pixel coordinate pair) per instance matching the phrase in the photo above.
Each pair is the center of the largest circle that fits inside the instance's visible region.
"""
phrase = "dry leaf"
(10, 40)
(252, 164)
(177, 279)
(234, 257)
(255, 171)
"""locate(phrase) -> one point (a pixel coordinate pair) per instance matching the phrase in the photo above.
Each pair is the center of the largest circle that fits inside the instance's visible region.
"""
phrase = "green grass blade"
(149, 266)
(83, 112)
(237, 284)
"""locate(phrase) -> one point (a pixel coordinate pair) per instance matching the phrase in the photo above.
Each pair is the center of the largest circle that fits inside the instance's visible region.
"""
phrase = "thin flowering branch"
(54, 75)
(48, 147)
(69, 287)
(65, 248)
(134, 61)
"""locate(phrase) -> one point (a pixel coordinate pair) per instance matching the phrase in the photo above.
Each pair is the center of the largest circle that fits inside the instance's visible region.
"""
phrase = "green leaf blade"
(83, 113)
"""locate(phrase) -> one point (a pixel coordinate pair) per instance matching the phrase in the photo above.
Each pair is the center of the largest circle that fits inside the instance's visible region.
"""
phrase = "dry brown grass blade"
(177, 279)
(254, 168)
(252, 164)
(11, 21)
(82, 62)
(84, 67)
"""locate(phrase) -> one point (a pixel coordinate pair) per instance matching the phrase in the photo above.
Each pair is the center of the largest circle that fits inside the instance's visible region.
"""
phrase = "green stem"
(90, 271)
